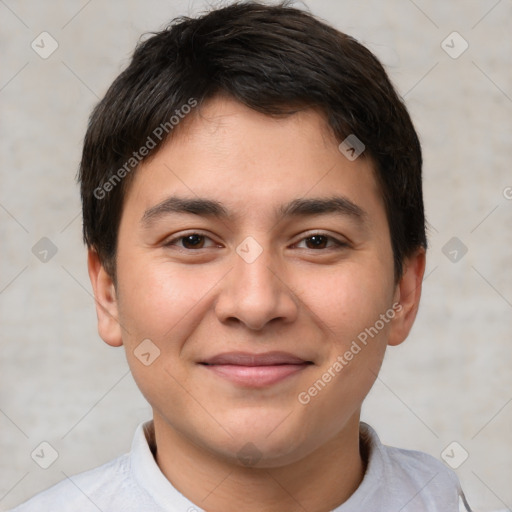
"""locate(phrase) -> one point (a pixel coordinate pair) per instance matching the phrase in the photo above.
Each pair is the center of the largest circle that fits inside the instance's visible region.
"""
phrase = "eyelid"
(338, 240)
(176, 238)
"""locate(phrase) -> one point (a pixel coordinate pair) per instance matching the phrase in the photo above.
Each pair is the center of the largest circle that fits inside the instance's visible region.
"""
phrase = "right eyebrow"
(174, 204)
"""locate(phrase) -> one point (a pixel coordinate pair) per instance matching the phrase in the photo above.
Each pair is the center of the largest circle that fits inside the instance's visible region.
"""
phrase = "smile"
(256, 370)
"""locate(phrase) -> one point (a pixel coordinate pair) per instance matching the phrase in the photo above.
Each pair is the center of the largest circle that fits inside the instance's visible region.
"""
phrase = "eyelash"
(336, 244)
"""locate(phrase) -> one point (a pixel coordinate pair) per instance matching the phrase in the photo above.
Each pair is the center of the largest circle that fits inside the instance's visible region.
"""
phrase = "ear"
(407, 294)
(106, 301)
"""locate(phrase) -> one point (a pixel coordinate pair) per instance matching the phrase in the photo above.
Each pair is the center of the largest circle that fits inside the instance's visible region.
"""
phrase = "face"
(255, 257)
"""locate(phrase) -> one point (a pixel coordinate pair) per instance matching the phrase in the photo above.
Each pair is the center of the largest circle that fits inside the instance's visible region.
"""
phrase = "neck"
(319, 482)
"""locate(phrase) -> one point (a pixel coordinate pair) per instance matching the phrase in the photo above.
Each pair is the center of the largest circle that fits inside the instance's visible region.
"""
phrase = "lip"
(255, 370)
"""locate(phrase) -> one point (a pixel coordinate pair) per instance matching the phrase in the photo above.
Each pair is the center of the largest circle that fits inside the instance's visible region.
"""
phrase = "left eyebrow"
(321, 206)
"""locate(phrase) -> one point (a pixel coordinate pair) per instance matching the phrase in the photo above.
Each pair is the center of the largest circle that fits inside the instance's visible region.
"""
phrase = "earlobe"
(106, 301)
(407, 294)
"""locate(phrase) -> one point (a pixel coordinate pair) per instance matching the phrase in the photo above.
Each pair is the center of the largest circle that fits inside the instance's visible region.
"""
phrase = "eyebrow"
(180, 205)
(321, 206)
(302, 207)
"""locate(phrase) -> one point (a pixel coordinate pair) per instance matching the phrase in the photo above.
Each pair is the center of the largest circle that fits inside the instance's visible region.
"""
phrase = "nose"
(255, 294)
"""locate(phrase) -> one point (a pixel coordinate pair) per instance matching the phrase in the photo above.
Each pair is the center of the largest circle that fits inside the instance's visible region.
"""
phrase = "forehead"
(248, 160)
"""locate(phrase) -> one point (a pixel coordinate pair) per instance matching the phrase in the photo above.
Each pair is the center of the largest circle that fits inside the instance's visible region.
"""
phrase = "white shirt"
(395, 480)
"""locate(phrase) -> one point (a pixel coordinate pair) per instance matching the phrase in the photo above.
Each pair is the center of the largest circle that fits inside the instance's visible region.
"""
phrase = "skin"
(311, 301)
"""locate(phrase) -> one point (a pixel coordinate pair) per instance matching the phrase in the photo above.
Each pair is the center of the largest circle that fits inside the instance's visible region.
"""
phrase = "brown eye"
(191, 241)
(316, 242)
(194, 241)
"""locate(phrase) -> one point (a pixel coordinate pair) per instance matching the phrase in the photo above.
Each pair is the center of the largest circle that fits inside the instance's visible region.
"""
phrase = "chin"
(263, 454)
(264, 445)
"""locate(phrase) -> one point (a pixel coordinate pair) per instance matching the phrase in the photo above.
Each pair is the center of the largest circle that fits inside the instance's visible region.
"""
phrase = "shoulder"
(415, 465)
(416, 479)
(408, 464)
(426, 478)
(83, 492)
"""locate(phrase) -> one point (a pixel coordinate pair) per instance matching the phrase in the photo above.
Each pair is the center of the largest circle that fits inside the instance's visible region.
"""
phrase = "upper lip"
(248, 359)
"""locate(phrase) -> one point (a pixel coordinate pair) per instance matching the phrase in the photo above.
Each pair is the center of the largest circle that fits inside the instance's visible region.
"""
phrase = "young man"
(252, 205)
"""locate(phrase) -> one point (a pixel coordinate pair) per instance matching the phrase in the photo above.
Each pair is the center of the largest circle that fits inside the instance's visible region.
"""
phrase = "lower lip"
(256, 376)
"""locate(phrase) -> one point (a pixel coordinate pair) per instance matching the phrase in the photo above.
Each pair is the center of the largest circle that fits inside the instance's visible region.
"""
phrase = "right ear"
(106, 301)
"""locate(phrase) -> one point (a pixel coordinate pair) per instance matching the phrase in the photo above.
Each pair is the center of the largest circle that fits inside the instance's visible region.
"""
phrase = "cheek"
(163, 303)
(348, 299)
(348, 305)
(161, 300)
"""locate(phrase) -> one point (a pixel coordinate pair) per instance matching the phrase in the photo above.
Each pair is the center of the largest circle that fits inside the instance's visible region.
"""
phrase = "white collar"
(375, 485)
(148, 475)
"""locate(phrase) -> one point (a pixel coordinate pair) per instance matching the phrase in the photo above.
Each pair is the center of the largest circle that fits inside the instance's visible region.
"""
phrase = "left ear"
(407, 294)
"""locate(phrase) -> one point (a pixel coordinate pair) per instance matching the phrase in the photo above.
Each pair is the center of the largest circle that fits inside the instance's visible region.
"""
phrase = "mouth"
(255, 370)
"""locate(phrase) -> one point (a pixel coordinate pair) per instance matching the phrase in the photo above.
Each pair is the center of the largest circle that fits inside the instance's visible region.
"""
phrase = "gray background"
(451, 381)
